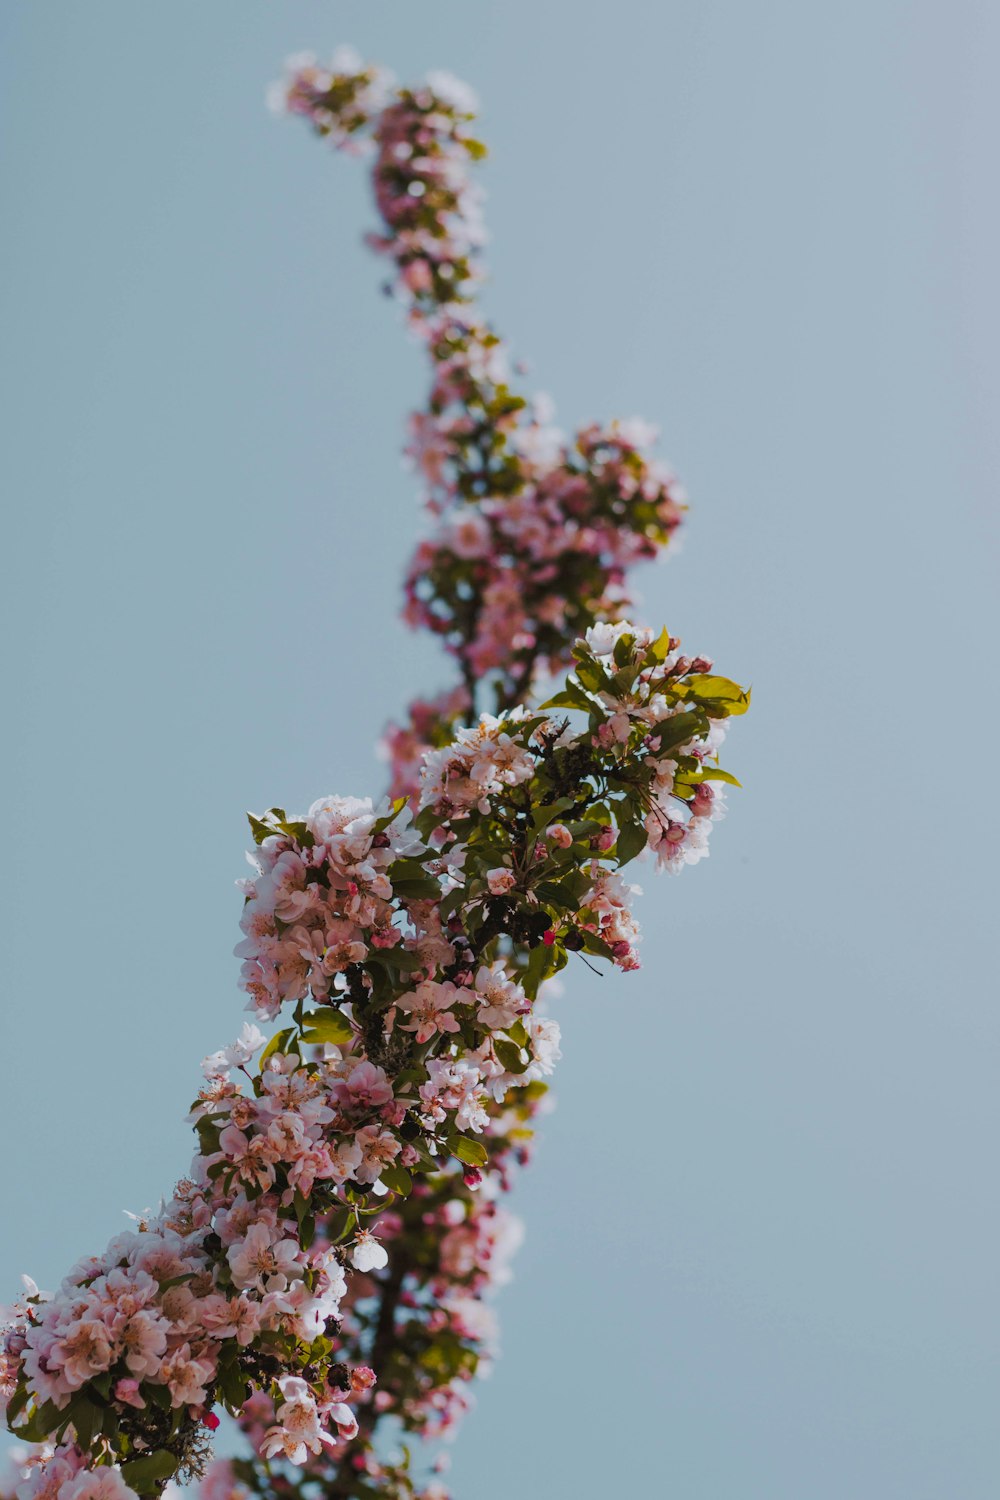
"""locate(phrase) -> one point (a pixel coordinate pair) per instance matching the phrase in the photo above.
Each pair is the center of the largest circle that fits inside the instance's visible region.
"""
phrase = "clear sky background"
(762, 1225)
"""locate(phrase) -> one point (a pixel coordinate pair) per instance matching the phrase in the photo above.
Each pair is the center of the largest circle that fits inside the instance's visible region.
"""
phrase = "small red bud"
(548, 938)
(210, 1420)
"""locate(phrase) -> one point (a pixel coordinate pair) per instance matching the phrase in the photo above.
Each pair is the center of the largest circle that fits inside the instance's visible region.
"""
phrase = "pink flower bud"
(472, 1177)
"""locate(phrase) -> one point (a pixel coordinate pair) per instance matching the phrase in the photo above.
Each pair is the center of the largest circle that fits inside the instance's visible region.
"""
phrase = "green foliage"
(473, 1153)
(326, 1026)
(146, 1475)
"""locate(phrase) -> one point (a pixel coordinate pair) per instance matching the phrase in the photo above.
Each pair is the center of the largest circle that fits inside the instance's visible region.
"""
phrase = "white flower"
(452, 90)
(368, 1254)
(604, 637)
(246, 1045)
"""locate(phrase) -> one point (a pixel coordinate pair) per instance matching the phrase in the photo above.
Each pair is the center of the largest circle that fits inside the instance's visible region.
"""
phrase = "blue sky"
(760, 1238)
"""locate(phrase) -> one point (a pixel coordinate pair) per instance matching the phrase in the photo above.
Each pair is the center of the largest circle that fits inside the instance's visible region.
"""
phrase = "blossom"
(82, 1351)
(367, 1254)
(297, 1430)
(428, 1009)
(386, 917)
(263, 1261)
(128, 1393)
(230, 1317)
(379, 1148)
(142, 1338)
(186, 1377)
(501, 1001)
(365, 1087)
(96, 1484)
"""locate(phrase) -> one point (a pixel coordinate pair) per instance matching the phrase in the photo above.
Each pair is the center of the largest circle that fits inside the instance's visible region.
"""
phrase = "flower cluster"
(330, 1258)
(420, 941)
(533, 532)
(219, 1294)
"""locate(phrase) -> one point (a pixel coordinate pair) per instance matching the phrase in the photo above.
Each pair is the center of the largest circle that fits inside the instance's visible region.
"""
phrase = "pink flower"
(500, 881)
(297, 1432)
(501, 1001)
(252, 1157)
(83, 1351)
(428, 1009)
(97, 1484)
(263, 1261)
(365, 1087)
(230, 1318)
(378, 1149)
(142, 1339)
(128, 1393)
(186, 1377)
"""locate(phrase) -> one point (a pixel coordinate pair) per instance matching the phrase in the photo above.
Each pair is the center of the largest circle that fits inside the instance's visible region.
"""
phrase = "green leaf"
(232, 1385)
(401, 959)
(543, 816)
(177, 1280)
(553, 894)
(624, 646)
(571, 696)
(406, 869)
(631, 841)
(716, 773)
(299, 832)
(16, 1403)
(306, 1222)
(623, 681)
(719, 690)
(86, 1419)
(594, 944)
(473, 1153)
(259, 830)
(678, 729)
(397, 1179)
(660, 649)
(424, 889)
(144, 1474)
(510, 1056)
(339, 1224)
(326, 1026)
(592, 675)
(36, 1429)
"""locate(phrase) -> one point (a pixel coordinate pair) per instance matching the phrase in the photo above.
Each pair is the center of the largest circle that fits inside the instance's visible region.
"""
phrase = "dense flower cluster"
(329, 1259)
(421, 941)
